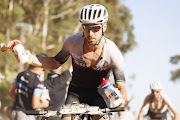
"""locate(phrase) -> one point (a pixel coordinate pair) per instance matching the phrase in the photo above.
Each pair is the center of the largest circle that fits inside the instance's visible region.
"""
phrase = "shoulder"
(113, 52)
(24, 73)
(73, 41)
(148, 98)
(166, 98)
(74, 38)
(111, 46)
(110, 43)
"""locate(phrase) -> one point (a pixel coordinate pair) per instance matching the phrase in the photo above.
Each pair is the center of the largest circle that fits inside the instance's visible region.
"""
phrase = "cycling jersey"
(91, 77)
(26, 82)
(56, 84)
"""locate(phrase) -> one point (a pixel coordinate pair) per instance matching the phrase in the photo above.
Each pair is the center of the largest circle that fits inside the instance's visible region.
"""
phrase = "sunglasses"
(155, 91)
(93, 28)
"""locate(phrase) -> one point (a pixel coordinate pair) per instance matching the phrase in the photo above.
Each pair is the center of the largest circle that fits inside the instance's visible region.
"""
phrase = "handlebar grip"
(113, 109)
(34, 112)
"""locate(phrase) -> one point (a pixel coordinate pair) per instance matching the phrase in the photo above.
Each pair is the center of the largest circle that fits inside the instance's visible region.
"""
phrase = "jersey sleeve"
(118, 64)
(15, 81)
(37, 86)
(37, 91)
(62, 79)
(64, 54)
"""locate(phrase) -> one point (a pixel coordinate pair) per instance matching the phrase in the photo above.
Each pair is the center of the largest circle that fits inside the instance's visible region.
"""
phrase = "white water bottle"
(112, 94)
(19, 49)
(45, 94)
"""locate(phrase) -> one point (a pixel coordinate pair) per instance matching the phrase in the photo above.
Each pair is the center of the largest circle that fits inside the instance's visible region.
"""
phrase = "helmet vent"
(85, 14)
(81, 16)
(105, 13)
(94, 14)
(99, 14)
(90, 11)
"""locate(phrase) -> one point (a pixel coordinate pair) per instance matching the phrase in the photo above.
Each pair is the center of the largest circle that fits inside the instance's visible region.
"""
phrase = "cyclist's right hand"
(45, 103)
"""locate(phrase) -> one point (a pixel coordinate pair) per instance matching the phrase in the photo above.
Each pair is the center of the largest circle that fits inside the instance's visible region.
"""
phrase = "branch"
(175, 59)
(62, 14)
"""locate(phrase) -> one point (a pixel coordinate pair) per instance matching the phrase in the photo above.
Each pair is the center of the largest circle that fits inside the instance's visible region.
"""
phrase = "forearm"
(122, 87)
(40, 105)
(37, 103)
(12, 95)
(48, 63)
(175, 116)
(140, 116)
(11, 91)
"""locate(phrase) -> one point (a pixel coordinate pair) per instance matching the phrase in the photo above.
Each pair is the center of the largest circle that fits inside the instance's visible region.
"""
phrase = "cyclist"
(159, 104)
(93, 57)
(24, 92)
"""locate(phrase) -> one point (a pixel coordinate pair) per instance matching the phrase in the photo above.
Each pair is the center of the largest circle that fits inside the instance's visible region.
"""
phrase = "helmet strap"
(97, 43)
(102, 30)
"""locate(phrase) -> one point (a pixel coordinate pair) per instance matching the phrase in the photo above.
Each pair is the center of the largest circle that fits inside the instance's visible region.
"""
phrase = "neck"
(36, 70)
(94, 47)
(157, 99)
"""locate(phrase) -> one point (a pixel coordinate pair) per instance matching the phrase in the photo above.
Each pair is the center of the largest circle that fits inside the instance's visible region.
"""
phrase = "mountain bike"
(77, 111)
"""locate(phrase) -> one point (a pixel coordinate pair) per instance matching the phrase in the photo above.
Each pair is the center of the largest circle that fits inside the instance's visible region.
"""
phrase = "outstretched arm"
(140, 116)
(175, 117)
(45, 62)
(48, 63)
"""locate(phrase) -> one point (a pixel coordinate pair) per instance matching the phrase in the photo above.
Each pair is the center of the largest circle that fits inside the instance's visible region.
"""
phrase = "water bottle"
(112, 94)
(19, 49)
(45, 94)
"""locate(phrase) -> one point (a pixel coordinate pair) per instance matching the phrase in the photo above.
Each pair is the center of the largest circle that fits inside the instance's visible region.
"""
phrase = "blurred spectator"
(26, 85)
(56, 83)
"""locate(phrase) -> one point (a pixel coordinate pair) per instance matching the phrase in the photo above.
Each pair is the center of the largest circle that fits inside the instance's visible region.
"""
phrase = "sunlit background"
(157, 32)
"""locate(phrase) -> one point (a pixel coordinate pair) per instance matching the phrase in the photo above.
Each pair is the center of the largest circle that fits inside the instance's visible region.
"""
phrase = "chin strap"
(97, 43)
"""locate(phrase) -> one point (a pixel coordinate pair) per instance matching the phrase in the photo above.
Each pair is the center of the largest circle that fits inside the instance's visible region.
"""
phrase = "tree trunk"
(8, 35)
(45, 24)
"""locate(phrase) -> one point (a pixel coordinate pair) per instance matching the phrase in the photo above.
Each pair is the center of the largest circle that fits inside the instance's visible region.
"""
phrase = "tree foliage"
(31, 21)
(175, 75)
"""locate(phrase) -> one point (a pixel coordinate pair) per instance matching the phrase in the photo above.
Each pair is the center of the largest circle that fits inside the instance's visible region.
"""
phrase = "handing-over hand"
(8, 46)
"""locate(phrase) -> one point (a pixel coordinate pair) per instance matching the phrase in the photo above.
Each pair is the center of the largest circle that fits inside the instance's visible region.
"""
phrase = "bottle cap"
(16, 43)
(104, 82)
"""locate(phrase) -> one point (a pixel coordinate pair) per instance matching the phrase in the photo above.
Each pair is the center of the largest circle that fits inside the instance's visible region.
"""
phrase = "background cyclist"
(93, 57)
(159, 104)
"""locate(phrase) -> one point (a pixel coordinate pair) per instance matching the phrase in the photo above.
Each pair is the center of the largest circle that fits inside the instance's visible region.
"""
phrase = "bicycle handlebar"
(75, 109)
(112, 109)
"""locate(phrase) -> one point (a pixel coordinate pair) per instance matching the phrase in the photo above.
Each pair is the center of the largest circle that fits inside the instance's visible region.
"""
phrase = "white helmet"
(93, 13)
(156, 85)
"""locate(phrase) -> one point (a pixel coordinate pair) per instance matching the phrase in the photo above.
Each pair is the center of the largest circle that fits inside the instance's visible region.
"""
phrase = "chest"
(157, 106)
(92, 58)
